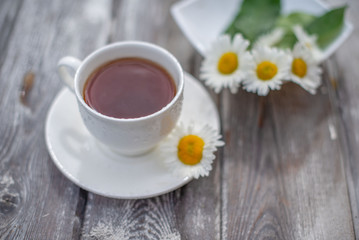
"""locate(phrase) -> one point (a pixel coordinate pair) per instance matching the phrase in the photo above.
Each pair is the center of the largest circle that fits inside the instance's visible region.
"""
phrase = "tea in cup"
(129, 94)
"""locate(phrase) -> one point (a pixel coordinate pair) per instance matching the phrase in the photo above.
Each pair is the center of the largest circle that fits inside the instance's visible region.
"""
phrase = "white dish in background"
(81, 159)
(203, 20)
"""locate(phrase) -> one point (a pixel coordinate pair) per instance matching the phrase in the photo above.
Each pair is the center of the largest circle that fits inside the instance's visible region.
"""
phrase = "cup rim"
(179, 89)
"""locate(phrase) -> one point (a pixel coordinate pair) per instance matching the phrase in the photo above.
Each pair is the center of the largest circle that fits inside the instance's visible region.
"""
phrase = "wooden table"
(289, 169)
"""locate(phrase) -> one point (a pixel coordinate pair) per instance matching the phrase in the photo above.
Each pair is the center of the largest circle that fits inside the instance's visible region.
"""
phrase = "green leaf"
(288, 40)
(254, 18)
(327, 27)
(286, 22)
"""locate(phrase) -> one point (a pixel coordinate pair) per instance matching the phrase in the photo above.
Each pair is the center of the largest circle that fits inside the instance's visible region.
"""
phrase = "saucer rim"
(77, 182)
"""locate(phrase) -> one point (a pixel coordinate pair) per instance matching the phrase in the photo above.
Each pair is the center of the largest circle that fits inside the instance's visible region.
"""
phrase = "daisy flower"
(269, 39)
(269, 67)
(225, 63)
(188, 151)
(305, 71)
(309, 41)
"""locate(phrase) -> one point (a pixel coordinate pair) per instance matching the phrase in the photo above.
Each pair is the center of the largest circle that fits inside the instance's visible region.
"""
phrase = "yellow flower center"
(266, 70)
(228, 63)
(190, 149)
(299, 67)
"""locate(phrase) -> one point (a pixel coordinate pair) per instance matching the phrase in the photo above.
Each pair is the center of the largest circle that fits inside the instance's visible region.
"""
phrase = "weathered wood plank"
(343, 74)
(288, 157)
(36, 200)
(192, 212)
(314, 163)
(283, 169)
(8, 16)
(282, 175)
(131, 219)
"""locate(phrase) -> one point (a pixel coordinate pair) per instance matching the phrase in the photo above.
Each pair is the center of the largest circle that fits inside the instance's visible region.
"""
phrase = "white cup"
(132, 136)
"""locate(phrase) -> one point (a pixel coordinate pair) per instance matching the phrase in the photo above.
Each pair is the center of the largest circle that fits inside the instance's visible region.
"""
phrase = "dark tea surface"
(129, 88)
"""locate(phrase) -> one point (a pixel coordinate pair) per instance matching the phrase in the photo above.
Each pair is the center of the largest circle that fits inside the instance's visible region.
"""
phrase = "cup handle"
(67, 67)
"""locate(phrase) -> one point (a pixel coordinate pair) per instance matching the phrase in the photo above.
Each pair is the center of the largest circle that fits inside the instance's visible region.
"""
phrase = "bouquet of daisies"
(262, 49)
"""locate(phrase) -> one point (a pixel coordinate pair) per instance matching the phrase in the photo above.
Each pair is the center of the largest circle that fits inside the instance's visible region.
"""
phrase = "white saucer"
(81, 159)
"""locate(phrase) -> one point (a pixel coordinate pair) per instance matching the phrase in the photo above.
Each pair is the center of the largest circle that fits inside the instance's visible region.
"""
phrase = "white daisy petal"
(240, 43)
(258, 79)
(224, 63)
(269, 39)
(305, 70)
(170, 154)
(308, 41)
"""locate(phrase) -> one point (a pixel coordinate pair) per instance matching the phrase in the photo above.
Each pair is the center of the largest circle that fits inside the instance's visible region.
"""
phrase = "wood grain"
(289, 169)
(283, 172)
(288, 153)
(343, 74)
(36, 200)
(8, 16)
